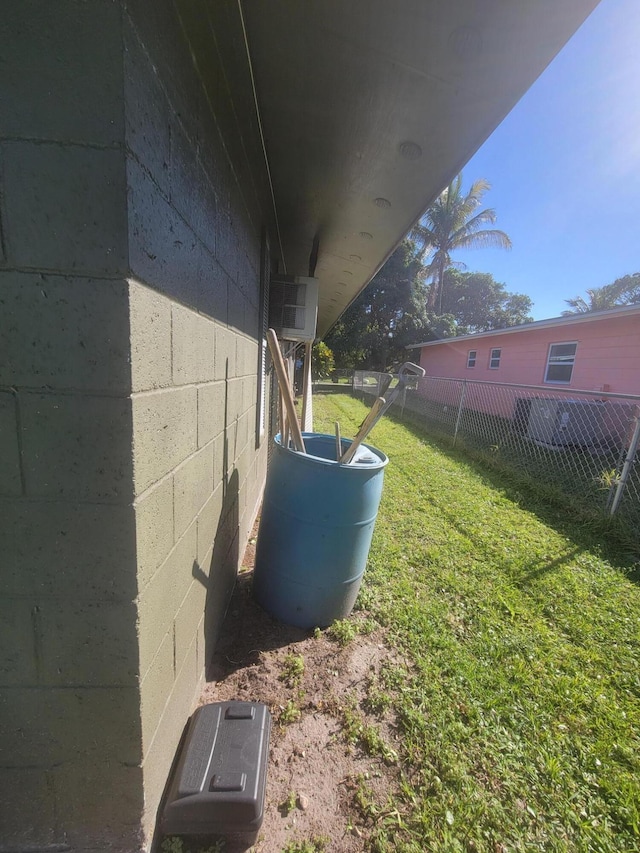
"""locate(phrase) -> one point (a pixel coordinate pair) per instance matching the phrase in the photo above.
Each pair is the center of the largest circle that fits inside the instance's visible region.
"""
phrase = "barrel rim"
(383, 459)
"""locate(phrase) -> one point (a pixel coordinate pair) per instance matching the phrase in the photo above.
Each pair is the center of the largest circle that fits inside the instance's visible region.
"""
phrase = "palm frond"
(492, 238)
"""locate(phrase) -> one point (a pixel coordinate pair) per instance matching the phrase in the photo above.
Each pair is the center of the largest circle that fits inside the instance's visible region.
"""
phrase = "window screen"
(471, 358)
(494, 359)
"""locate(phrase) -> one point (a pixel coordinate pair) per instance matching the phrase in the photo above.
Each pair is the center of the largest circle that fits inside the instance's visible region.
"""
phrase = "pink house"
(599, 351)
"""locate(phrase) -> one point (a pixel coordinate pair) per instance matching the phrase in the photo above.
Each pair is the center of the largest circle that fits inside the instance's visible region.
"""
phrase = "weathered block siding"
(129, 473)
(194, 249)
(69, 694)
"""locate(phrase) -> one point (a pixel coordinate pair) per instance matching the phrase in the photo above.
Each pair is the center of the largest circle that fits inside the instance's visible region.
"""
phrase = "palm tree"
(452, 223)
(623, 291)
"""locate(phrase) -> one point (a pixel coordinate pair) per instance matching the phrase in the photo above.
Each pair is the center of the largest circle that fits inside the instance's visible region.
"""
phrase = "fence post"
(626, 469)
(455, 431)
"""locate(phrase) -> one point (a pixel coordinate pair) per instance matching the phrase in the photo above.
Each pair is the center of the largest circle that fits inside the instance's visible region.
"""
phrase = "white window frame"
(472, 358)
(565, 360)
(495, 358)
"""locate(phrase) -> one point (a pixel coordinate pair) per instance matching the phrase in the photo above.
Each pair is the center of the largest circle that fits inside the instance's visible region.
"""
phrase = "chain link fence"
(581, 444)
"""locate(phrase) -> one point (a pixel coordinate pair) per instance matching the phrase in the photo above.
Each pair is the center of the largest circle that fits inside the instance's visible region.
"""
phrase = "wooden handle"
(338, 442)
(285, 389)
(365, 426)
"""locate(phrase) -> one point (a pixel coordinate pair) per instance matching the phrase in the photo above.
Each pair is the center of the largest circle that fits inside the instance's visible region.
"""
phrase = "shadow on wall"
(218, 575)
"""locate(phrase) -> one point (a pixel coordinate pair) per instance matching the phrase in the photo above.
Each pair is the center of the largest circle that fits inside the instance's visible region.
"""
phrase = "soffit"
(370, 107)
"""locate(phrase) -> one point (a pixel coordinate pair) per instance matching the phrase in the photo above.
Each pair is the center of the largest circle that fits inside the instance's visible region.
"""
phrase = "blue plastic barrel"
(315, 530)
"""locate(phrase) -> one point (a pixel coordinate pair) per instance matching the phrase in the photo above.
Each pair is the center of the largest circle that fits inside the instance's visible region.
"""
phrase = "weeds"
(292, 670)
(175, 844)
(366, 736)
(314, 845)
(287, 806)
(290, 713)
(343, 631)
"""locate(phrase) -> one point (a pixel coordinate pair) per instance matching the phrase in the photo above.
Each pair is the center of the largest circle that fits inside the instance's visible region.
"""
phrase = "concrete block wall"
(194, 291)
(69, 697)
(130, 471)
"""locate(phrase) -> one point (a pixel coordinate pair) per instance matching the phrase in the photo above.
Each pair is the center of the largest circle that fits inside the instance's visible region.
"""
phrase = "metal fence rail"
(583, 444)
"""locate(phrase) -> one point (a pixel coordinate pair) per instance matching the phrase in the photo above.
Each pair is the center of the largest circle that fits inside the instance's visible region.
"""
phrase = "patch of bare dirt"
(314, 772)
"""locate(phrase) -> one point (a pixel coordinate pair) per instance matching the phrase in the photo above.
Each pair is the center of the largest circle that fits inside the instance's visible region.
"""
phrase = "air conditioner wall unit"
(293, 307)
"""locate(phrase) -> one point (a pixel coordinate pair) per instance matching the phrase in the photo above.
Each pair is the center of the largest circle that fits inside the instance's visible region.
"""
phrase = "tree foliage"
(479, 303)
(322, 360)
(623, 291)
(454, 222)
(391, 312)
(375, 329)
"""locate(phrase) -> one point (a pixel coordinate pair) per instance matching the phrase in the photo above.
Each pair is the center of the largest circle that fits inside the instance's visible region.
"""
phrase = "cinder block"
(228, 247)
(27, 816)
(225, 363)
(208, 521)
(236, 307)
(99, 805)
(193, 347)
(147, 111)
(10, 480)
(243, 463)
(154, 529)
(162, 748)
(18, 659)
(156, 688)
(221, 457)
(93, 644)
(234, 399)
(213, 154)
(68, 550)
(150, 319)
(230, 440)
(66, 207)
(77, 447)
(167, 50)
(62, 72)
(251, 324)
(202, 658)
(211, 401)
(212, 290)
(163, 251)
(191, 193)
(187, 618)
(192, 487)
(64, 332)
(160, 600)
(249, 392)
(246, 356)
(48, 726)
(165, 426)
(223, 568)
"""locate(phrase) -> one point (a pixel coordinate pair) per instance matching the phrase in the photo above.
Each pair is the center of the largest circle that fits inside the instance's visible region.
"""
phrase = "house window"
(494, 359)
(560, 363)
(471, 358)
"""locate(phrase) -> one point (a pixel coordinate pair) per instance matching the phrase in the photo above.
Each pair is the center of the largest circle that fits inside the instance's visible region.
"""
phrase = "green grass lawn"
(519, 712)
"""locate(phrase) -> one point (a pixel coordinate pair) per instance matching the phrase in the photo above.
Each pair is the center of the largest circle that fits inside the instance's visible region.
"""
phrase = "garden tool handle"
(285, 390)
(365, 428)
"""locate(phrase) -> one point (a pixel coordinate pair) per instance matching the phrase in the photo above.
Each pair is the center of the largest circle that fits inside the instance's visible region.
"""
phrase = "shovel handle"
(365, 428)
(285, 390)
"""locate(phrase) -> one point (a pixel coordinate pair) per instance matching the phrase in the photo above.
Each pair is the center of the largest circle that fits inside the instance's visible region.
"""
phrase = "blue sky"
(564, 168)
